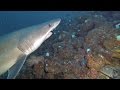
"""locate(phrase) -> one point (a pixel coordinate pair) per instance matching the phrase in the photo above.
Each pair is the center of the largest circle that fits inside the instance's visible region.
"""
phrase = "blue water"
(15, 20)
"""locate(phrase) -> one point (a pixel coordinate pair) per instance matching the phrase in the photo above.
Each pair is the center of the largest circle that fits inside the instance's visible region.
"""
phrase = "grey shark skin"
(16, 46)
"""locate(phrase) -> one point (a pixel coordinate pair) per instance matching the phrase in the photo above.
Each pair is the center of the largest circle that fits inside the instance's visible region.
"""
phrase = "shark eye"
(49, 25)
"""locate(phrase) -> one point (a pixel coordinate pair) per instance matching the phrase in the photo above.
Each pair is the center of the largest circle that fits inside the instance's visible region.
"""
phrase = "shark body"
(16, 46)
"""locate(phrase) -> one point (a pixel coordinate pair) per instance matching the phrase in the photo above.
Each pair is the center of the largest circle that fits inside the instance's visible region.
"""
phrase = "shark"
(16, 46)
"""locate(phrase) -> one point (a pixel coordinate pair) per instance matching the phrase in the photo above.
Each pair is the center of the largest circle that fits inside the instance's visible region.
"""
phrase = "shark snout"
(54, 23)
(57, 21)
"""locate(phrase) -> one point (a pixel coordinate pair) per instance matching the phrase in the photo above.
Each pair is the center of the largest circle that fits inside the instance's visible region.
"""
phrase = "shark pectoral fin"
(49, 34)
(14, 70)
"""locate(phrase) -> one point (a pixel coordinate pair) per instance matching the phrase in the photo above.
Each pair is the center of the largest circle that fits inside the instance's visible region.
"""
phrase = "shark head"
(36, 35)
(16, 46)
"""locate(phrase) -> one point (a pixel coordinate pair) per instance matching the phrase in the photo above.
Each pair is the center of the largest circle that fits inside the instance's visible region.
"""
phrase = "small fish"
(16, 46)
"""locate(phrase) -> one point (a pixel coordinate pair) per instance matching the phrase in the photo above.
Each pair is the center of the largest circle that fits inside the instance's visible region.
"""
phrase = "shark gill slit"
(26, 46)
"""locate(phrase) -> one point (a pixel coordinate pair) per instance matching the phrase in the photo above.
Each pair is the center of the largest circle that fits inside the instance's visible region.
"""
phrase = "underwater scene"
(59, 44)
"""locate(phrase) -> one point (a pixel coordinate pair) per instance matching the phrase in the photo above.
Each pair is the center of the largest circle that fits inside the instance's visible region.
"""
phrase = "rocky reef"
(85, 47)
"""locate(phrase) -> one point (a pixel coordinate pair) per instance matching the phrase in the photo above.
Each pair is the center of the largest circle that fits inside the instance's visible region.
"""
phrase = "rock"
(34, 60)
(118, 37)
(95, 62)
(103, 76)
(92, 74)
(33, 68)
(117, 26)
(112, 72)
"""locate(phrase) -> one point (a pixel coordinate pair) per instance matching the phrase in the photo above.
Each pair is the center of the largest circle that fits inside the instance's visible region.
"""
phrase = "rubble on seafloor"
(84, 48)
